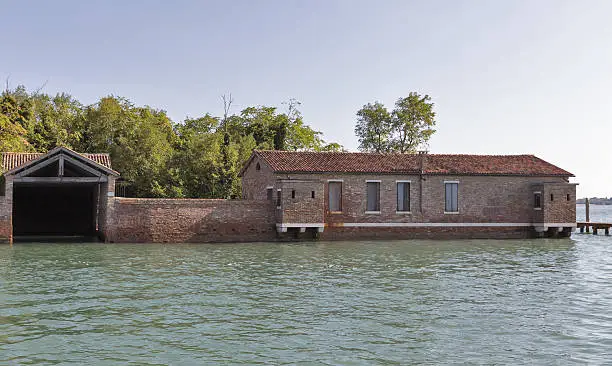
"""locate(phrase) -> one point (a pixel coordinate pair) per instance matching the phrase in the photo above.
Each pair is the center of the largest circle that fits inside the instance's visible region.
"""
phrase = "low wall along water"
(144, 220)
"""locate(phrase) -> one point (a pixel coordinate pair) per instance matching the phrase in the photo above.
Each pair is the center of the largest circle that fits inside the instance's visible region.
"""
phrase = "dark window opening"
(451, 197)
(2, 185)
(568, 197)
(293, 193)
(403, 196)
(312, 194)
(552, 198)
(257, 167)
(279, 194)
(269, 194)
(537, 200)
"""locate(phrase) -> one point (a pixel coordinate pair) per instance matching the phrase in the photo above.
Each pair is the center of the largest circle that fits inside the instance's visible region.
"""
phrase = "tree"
(13, 116)
(373, 128)
(409, 125)
(413, 120)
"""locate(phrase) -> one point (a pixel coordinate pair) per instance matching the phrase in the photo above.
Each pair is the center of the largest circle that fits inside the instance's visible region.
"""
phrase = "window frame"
(451, 212)
(340, 202)
(397, 210)
(279, 198)
(377, 203)
(537, 202)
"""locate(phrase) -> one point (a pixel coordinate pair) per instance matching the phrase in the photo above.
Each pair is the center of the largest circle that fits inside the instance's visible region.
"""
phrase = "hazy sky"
(525, 77)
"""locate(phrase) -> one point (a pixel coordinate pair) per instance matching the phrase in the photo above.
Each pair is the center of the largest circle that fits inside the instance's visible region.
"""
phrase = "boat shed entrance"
(58, 194)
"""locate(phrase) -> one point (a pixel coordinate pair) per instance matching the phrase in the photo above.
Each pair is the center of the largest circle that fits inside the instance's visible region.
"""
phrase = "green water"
(405, 302)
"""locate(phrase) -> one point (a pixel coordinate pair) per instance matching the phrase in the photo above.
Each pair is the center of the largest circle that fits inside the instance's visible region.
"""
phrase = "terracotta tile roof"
(436, 164)
(12, 160)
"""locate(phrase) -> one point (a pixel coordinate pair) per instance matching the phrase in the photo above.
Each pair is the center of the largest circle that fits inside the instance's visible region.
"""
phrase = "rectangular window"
(451, 198)
(293, 193)
(403, 196)
(537, 200)
(270, 194)
(373, 196)
(568, 197)
(312, 194)
(335, 196)
(279, 196)
(2, 186)
(552, 197)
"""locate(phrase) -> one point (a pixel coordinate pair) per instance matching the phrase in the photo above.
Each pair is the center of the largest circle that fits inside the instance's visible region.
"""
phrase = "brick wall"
(480, 198)
(406, 233)
(302, 208)
(190, 220)
(559, 209)
(6, 208)
(255, 182)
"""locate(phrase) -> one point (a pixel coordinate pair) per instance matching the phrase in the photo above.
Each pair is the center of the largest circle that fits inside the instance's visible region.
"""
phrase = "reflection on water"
(525, 301)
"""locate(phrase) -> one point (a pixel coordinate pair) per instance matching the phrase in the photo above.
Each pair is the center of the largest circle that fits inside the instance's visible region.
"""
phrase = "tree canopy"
(409, 125)
(199, 157)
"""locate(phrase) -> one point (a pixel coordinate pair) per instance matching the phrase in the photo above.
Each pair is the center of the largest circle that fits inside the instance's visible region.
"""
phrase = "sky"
(506, 77)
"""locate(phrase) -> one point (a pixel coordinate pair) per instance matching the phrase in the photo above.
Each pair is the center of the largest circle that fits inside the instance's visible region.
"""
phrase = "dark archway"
(60, 194)
(54, 210)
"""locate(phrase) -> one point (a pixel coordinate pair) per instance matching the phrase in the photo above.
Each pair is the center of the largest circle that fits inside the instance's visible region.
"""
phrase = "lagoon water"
(340, 303)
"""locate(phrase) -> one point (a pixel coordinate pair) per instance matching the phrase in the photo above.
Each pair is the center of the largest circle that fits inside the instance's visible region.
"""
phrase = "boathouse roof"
(14, 160)
(395, 163)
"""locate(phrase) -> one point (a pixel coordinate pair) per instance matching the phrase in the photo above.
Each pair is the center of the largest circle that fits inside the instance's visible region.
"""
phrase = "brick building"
(296, 195)
(360, 195)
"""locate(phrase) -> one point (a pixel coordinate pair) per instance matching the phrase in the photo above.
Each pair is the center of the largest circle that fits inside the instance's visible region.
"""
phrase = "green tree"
(14, 115)
(374, 128)
(412, 123)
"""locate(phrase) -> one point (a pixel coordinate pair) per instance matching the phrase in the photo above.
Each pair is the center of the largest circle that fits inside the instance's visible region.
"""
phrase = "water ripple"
(410, 302)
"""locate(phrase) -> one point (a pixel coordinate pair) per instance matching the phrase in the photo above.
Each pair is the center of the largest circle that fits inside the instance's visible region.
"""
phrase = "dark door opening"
(54, 210)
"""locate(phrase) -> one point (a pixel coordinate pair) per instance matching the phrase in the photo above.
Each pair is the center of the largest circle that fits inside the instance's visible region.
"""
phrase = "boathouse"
(403, 196)
(59, 193)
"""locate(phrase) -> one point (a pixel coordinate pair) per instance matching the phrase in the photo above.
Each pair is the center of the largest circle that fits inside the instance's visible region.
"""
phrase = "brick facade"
(485, 204)
(6, 212)
(140, 220)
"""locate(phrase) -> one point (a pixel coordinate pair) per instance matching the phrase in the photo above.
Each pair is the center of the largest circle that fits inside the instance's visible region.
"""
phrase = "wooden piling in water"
(587, 213)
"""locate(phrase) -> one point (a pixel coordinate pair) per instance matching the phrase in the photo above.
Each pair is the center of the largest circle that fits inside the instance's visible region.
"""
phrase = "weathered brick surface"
(302, 208)
(481, 198)
(255, 182)
(190, 220)
(407, 233)
(559, 209)
(6, 212)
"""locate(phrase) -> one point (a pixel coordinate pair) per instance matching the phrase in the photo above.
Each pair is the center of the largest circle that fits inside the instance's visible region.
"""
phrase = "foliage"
(373, 128)
(198, 158)
(402, 130)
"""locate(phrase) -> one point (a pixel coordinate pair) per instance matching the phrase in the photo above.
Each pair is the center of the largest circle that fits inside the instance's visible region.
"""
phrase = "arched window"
(257, 167)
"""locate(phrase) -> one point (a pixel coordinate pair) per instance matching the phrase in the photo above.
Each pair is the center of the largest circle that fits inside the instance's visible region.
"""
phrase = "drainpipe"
(423, 163)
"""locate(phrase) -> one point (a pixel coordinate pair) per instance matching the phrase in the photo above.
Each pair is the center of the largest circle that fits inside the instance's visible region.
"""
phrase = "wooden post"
(586, 209)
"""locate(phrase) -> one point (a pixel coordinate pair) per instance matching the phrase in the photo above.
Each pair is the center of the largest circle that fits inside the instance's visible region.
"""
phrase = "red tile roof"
(435, 164)
(12, 160)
